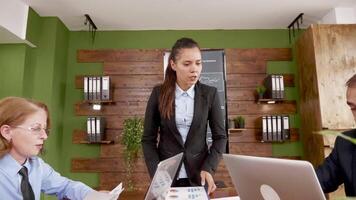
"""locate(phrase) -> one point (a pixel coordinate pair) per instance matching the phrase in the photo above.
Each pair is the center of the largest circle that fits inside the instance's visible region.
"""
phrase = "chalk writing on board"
(215, 79)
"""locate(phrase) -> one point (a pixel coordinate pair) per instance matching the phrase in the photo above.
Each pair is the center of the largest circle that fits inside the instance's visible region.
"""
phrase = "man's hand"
(206, 177)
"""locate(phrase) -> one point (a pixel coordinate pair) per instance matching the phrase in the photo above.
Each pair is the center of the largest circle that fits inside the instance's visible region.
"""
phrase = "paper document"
(117, 190)
(228, 198)
(112, 195)
(187, 193)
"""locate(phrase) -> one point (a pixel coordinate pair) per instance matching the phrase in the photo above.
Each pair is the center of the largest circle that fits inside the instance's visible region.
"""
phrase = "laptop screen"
(163, 178)
(272, 178)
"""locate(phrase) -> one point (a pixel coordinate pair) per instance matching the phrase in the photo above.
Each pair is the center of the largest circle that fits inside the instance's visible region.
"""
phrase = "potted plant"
(231, 123)
(240, 122)
(131, 139)
(260, 89)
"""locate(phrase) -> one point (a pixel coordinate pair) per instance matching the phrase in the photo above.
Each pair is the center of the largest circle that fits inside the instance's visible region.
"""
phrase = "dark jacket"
(340, 166)
(196, 155)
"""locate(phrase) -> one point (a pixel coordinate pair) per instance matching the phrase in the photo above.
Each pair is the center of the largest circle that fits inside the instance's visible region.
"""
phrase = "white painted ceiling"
(185, 14)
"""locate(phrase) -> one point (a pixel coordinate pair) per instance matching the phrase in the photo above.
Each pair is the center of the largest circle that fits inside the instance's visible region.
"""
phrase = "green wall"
(12, 63)
(39, 73)
(47, 73)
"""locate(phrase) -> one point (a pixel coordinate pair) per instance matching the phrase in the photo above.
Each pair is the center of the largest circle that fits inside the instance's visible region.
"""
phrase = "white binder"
(264, 129)
(279, 129)
(105, 95)
(86, 97)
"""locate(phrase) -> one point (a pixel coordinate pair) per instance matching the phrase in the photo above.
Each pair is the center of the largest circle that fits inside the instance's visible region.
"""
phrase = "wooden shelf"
(101, 142)
(276, 142)
(80, 137)
(237, 129)
(254, 135)
(99, 101)
(294, 137)
(270, 100)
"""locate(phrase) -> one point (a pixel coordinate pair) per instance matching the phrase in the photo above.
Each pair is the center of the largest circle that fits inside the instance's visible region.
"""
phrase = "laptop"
(272, 178)
(163, 178)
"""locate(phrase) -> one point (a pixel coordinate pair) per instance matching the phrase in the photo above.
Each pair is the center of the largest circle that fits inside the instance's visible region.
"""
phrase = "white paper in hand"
(117, 190)
(112, 195)
(95, 195)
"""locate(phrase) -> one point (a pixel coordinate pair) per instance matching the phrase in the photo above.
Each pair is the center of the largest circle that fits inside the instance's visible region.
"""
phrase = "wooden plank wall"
(247, 68)
(309, 99)
(135, 72)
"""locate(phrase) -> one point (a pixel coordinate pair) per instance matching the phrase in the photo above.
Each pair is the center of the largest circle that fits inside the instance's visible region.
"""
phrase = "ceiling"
(185, 14)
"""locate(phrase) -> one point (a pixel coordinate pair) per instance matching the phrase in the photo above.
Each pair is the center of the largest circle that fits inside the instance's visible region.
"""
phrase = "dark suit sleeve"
(219, 137)
(149, 138)
(330, 172)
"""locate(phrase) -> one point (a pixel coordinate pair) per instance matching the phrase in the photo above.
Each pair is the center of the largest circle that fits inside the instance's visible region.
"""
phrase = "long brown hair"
(167, 93)
(13, 112)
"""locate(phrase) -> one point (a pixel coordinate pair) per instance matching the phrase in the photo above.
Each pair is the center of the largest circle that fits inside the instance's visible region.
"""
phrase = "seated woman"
(23, 130)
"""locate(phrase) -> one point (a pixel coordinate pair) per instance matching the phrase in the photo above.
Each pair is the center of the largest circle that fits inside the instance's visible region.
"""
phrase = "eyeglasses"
(36, 130)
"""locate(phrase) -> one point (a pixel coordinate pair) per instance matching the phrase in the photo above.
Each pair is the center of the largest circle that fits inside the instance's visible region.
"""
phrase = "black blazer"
(340, 166)
(196, 156)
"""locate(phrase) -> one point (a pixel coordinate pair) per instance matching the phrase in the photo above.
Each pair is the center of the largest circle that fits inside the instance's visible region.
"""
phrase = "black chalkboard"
(213, 74)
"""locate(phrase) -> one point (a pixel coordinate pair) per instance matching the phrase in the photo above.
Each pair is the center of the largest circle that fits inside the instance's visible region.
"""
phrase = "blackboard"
(213, 74)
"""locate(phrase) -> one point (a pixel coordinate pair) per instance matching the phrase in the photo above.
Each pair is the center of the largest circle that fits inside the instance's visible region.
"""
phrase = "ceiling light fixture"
(296, 21)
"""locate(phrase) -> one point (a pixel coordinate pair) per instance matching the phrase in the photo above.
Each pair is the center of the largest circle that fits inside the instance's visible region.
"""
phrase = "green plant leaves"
(131, 138)
(132, 134)
(337, 133)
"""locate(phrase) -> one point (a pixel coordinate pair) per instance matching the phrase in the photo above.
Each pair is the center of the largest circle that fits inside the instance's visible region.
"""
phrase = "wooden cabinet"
(326, 57)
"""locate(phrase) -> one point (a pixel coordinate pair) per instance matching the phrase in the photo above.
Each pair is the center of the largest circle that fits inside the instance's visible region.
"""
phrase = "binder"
(98, 88)
(269, 128)
(278, 89)
(90, 83)
(279, 129)
(86, 97)
(274, 129)
(286, 130)
(100, 126)
(97, 129)
(274, 87)
(264, 129)
(94, 88)
(92, 128)
(105, 95)
(281, 82)
(88, 129)
(270, 84)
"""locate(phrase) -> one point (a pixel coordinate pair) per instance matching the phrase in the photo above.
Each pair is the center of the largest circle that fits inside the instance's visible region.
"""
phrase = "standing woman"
(179, 111)
(23, 130)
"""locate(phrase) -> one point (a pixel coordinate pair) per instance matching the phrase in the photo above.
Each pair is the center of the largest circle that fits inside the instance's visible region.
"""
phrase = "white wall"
(13, 17)
(340, 16)
(330, 17)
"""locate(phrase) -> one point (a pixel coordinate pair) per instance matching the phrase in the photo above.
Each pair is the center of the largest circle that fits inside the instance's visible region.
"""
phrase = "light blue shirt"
(42, 178)
(184, 103)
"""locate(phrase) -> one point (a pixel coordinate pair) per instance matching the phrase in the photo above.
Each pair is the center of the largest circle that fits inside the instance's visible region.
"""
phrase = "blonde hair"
(13, 112)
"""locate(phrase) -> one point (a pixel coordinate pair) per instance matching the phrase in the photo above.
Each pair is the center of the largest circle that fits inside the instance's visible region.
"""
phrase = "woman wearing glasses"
(23, 130)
